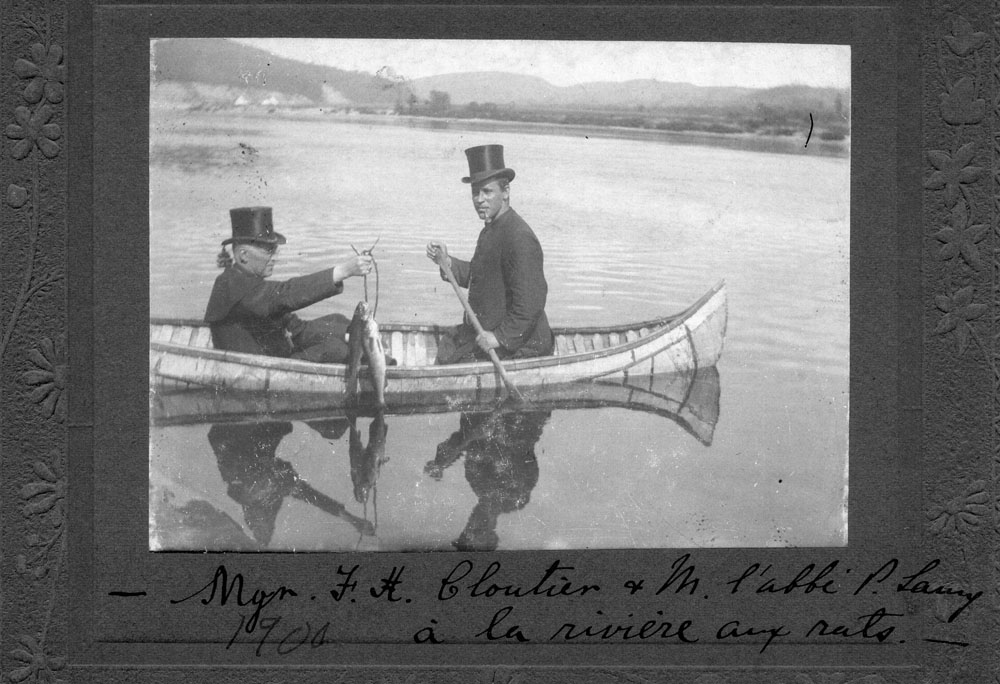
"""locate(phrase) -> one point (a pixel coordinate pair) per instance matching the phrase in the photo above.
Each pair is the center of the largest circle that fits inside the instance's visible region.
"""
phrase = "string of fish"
(368, 252)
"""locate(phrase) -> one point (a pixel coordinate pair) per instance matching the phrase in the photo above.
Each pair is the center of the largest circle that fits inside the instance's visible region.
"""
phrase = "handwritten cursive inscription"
(866, 631)
(682, 573)
(221, 587)
(734, 630)
(918, 584)
(650, 629)
(805, 580)
(482, 586)
(277, 620)
(493, 633)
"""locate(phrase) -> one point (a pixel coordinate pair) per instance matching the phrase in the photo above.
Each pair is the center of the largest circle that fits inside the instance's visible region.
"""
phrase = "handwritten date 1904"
(291, 639)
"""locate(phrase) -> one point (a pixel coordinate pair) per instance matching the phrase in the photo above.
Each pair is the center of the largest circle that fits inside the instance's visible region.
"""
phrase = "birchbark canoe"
(181, 356)
(689, 399)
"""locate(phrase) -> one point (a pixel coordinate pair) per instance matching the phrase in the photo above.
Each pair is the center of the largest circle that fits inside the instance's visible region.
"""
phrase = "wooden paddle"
(442, 261)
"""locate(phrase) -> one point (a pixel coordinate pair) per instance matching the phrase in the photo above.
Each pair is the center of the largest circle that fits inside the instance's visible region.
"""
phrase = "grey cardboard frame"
(73, 434)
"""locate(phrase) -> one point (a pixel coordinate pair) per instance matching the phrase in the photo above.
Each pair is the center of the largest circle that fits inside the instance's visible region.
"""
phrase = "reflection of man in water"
(259, 481)
(500, 466)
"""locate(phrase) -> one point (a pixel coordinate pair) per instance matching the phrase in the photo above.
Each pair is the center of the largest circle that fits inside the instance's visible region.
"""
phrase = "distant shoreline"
(742, 141)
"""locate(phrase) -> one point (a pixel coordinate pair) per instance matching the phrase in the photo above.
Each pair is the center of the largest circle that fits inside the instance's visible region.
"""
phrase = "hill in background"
(258, 75)
(220, 73)
(513, 89)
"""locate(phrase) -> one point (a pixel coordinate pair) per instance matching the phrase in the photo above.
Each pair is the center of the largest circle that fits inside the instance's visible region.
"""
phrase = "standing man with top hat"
(505, 277)
(251, 314)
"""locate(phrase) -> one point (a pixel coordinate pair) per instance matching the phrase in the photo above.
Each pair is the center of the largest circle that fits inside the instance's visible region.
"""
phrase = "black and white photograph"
(475, 295)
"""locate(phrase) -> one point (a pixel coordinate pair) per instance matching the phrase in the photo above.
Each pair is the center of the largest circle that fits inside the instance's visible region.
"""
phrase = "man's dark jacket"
(507, 287)
(249, 314)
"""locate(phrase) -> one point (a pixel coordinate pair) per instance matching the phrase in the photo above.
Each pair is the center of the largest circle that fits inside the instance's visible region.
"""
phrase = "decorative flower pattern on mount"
(37, 664)
(953, 171)
(963, 39)
(47, 493)
(34, 129)
(958, 309)
(962, 239)
(960, 106)
(49, 377)
(45, 501)
(961, 514)
(45, 71)
(17, 196)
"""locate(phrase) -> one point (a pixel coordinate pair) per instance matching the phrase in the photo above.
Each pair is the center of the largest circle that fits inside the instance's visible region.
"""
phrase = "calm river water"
(631, 230)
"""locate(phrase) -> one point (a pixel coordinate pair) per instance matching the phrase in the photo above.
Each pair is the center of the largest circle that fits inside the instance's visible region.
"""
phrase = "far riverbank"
(800, 143)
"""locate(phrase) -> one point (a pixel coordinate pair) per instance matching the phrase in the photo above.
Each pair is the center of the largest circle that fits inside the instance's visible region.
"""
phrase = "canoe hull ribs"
(181, 356)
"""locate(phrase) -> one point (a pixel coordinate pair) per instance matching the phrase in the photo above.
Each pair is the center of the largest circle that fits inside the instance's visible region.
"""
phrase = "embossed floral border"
(961, 284)
(33, 344)
(961, 276)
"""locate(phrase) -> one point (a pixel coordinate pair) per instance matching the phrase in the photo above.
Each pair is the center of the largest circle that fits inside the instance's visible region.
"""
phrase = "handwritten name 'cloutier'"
(482, 585)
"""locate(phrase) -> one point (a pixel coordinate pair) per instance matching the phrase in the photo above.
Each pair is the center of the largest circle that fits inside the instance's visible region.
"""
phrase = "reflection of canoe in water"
(689, 399)
(181, 356)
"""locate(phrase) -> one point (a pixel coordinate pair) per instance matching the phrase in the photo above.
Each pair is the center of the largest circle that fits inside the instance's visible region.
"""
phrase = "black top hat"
(486, 162)
(253, 224)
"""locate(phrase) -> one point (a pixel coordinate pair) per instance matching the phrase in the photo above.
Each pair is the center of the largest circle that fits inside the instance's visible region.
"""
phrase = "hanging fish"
(365, 343)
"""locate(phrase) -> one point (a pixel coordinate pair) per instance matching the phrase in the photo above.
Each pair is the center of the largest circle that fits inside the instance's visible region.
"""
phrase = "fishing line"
(368, 252)
(361, 535)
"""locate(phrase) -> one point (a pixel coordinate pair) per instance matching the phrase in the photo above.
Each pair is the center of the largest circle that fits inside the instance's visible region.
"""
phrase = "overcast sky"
(752, 65)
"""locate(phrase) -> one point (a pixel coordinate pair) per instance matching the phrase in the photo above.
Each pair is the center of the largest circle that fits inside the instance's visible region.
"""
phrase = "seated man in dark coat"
(250, 314)
(505, 278)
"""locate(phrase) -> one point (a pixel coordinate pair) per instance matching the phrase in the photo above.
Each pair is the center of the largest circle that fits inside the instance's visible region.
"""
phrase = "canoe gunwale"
(659, 327)
(566, 330)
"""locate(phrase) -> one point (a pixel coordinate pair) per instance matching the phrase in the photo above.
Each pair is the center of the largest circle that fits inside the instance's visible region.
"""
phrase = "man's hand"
(487, 341)
(358, 265)
(438, 253)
